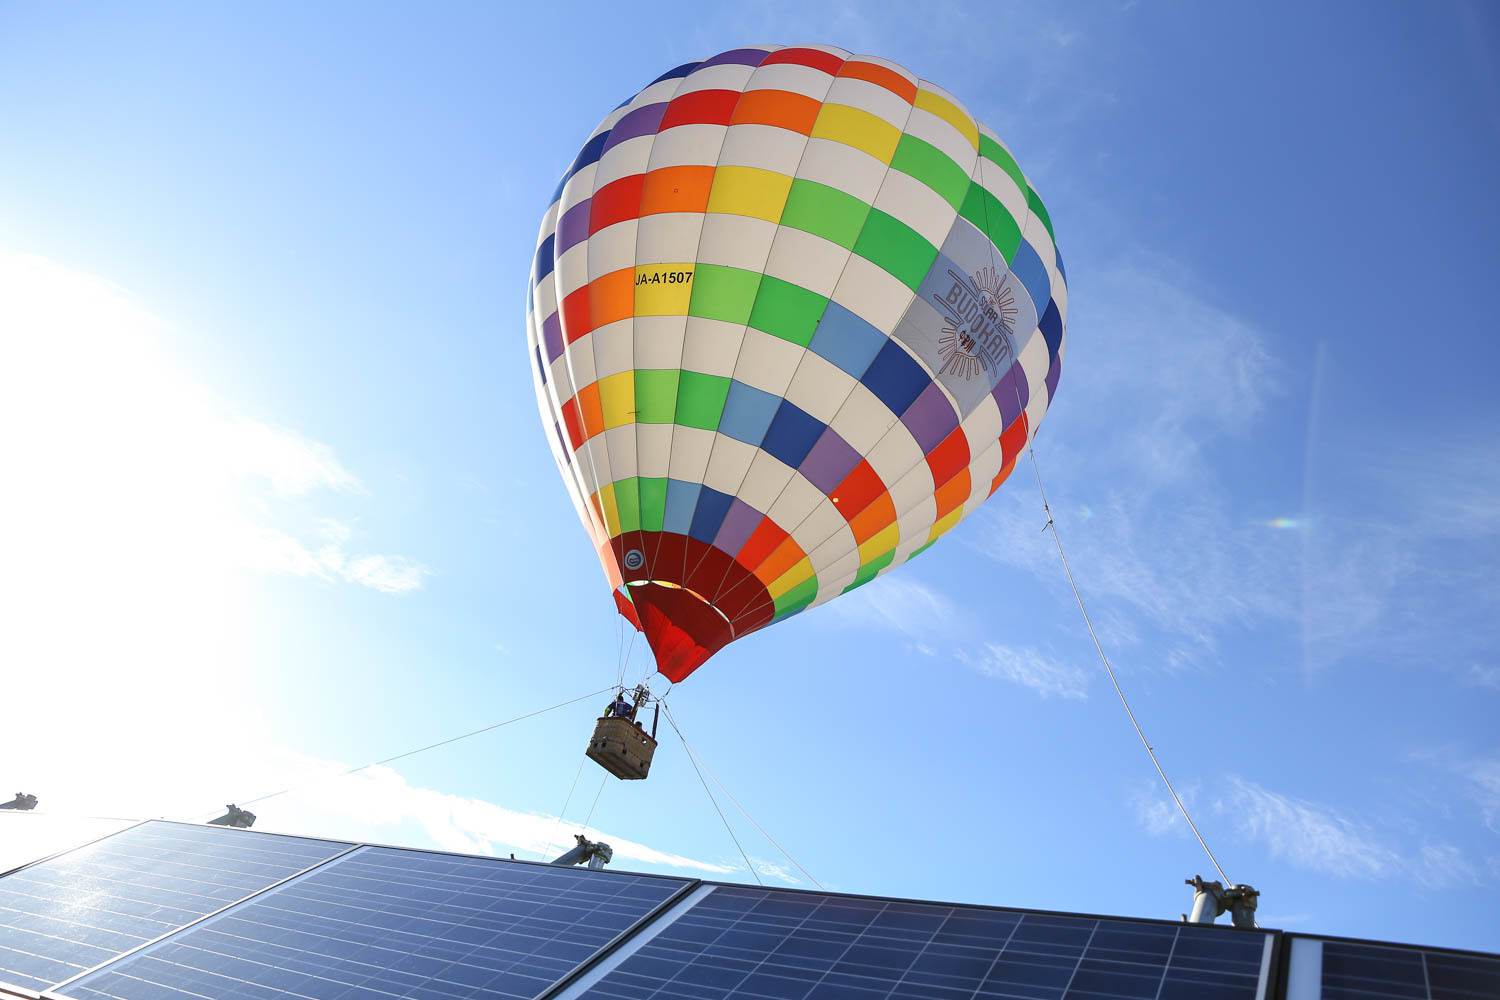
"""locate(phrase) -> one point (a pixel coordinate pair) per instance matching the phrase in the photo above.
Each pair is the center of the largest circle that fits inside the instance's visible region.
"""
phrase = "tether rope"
(694, 754)
(710, 794)
(1111, 670)
(430, 746)
(1046, 508)
(551, 844)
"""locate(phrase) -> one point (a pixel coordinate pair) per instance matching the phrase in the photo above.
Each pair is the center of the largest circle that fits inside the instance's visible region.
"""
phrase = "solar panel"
(739, 942)
(70, 913)
(1345, 970)
(380, 922)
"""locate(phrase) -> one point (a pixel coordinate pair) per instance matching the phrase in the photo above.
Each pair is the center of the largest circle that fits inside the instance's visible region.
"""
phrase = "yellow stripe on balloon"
(791, 578)
(857, 128)
(617, 399)
(949, 112)
(760, 194)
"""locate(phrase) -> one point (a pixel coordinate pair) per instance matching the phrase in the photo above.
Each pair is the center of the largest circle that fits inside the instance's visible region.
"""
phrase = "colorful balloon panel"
(793, 315)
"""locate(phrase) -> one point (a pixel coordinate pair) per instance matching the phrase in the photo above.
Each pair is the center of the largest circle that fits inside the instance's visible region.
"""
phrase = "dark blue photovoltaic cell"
(75, 911)
(769, 945)
(380, 922)
(1363, 971)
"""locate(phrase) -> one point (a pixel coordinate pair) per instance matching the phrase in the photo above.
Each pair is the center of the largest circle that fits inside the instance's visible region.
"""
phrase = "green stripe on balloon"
(933, 167)
(824, 211)
(656, 395)
(788, 311)
(897, 248)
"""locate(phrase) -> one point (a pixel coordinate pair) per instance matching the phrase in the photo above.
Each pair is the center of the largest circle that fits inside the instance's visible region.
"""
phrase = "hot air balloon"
(793, 315)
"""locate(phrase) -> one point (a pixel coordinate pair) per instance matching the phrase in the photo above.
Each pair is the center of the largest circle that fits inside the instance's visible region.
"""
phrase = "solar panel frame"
(1384, 971)
(47, 937)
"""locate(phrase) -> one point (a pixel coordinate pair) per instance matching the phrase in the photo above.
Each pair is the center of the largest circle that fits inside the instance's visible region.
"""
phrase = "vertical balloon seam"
(791, 531)
(840, 583)
(694, 295)
(682, 82)
(582, 472)
(719, 590)
(570, 353)
(812, 582)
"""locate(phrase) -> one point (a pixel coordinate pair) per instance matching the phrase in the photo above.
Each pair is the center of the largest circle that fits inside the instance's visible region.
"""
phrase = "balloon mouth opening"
(686, 590)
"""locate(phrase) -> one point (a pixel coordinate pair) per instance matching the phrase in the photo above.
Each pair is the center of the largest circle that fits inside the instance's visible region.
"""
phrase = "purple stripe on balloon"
(739, 524)
(1053, 374)
(641, 121)
(573, 227)
(1011, 394)
(930, 418)
(830, 460)
(552, 337)
(738, 57)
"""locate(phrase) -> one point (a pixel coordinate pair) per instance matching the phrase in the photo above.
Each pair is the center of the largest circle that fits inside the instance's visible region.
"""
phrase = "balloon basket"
(622, 748)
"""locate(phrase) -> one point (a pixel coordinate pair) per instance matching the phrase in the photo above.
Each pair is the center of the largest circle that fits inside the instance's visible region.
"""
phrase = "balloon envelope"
(793, 315)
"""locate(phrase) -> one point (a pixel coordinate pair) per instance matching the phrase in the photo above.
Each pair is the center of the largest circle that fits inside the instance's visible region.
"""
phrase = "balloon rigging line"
(602, 781)
(692, 760)
(1110, 670)
(551, 844)
(693, 753)
(430, 746)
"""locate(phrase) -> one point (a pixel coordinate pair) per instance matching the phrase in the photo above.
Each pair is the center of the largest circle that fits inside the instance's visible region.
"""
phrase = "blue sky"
(279, 503)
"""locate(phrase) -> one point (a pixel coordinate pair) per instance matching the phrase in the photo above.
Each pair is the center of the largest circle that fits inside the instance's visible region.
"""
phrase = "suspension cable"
(692, 760)
(430, 746)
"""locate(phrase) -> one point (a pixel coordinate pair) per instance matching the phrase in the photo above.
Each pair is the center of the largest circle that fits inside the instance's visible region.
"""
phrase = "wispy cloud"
(1305, 834)
(1030, 668)
(124, 458)
(898, 603)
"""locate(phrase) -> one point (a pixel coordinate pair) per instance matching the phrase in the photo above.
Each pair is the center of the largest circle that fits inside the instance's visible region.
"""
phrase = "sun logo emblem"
(978, 313)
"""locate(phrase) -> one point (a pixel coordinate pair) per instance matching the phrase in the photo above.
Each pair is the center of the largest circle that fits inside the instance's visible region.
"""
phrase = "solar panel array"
(74, 912)
(167, 911)
(756, 943)
(379, 923)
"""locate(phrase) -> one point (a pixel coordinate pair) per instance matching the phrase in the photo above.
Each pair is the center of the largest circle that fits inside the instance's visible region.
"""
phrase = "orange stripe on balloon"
(592, 412)
(953, 493)
(868, 522)
(816, 58)
(677, 189)
(761, 543)
(879, 75)
(612, 296)
(785, 556)
(951, 455)
(781, 108)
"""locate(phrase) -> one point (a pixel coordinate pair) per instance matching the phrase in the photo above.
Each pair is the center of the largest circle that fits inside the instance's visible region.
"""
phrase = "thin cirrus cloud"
(125, 459)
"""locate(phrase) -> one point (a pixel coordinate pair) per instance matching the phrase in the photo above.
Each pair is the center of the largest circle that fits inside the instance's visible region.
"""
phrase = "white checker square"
(896, 455)
(872, 293)
(843, 167)
(866, 96)
(766, 362)
(917, 205)
(797, 500)
(691, 447)
(765, 147)
(724, 76)
(653, 443)
(820, 524)
(628, 158)
(736, 241)
(612, 248)
(793, 78)
(938, 132)
(620, 441)
(669, 238)
(613, 345)
(911, 489)
(863, 419)
(819, 387)
(659, 340)
(807, 260)
(766, 478)
(728, 464)
(687, 145)
(711, 346)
